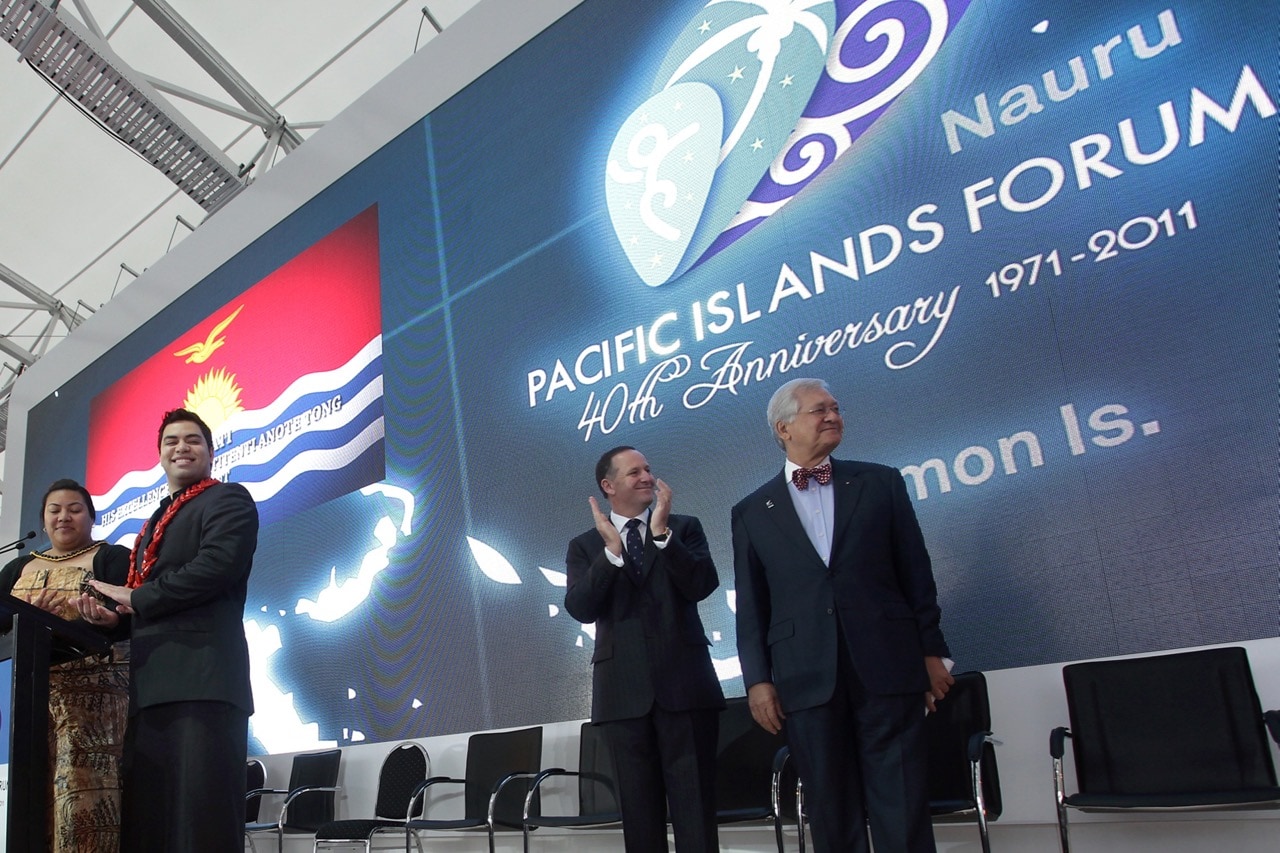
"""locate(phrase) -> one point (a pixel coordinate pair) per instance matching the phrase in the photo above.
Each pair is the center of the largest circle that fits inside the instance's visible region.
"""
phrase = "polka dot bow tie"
(801, 476)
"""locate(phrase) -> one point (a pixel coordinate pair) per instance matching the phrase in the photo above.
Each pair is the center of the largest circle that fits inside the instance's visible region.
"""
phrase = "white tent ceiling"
(81, 213)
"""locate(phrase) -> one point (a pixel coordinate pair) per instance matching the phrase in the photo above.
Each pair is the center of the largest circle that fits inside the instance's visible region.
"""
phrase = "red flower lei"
(149, 556)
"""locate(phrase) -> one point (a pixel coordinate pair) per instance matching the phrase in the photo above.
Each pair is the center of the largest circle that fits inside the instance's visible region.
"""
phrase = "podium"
(37, 641)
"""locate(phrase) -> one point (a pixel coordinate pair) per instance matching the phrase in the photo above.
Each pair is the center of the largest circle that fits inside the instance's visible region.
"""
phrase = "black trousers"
(864, 760)
(184, 778)
(666, 760)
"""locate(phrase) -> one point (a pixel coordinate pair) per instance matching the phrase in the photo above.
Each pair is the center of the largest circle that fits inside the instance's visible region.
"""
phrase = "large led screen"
(1030, 245)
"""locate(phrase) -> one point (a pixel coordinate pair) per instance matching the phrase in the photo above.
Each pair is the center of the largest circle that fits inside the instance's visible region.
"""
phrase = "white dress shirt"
(816, 507)
(620, 522)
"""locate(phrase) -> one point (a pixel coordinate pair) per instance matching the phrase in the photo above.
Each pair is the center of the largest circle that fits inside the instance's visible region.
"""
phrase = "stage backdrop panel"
(1032, 247)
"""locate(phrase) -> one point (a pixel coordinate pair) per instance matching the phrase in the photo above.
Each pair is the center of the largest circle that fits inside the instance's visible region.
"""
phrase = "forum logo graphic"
(755, 99)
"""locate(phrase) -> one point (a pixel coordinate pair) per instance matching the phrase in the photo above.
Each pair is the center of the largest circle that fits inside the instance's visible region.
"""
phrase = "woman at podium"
(89, 697)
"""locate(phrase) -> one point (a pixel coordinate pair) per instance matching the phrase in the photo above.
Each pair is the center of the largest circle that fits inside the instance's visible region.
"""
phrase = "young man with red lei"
(189, 696)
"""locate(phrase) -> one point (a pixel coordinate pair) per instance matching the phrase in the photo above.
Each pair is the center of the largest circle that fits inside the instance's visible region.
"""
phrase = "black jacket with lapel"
(650, 644)
(188, 640)
(879, 582)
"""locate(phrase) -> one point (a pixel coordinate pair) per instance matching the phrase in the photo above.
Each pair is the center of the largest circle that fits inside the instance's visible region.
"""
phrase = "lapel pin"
(768, 504)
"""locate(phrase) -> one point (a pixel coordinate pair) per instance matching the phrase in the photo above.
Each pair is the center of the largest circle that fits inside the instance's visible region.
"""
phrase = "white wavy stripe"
(310, 383)
(351, 409)
(335, 378)
(141, 513)
(322, 458)
(316, 460)
(130, 481)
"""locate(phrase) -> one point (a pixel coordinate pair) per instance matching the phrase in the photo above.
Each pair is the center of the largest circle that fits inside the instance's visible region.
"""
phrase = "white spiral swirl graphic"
(818, 141)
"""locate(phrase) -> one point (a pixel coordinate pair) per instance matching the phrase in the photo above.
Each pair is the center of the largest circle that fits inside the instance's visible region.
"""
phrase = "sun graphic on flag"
(215, 398)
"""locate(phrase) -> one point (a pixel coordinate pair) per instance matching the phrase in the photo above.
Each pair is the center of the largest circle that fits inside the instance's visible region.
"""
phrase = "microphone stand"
(18, 544)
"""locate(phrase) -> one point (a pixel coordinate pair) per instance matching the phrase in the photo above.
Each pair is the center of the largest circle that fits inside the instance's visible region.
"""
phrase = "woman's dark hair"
(68, 485)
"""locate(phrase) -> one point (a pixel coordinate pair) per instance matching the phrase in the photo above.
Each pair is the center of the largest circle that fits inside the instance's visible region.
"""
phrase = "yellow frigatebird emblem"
(199, 352)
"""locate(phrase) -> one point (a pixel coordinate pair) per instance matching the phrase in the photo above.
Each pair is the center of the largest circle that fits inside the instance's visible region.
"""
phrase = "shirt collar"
(620, 521)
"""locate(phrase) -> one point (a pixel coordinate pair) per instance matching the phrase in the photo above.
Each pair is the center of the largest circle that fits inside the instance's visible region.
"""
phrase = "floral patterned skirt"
(88, 709)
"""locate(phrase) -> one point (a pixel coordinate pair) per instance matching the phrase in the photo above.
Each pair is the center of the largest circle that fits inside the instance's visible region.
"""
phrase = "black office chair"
(500, 768)
(403, 770)
(755, 781)
(597, 789)
(1170, 732)
(255, 782)
(308, 801)
(964, 783)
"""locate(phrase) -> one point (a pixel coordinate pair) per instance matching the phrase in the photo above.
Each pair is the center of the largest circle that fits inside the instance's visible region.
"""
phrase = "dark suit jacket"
(879, 582)
(188, 624)
(650, 643)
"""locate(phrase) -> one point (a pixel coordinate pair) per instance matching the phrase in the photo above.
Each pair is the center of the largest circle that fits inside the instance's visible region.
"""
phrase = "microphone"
(18, 544)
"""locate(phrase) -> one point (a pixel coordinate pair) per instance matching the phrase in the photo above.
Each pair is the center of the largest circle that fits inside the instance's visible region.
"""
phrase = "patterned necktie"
(635, 547)
(801, 476)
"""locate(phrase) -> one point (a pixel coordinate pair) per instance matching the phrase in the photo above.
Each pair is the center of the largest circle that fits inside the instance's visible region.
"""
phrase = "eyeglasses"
(823, 411)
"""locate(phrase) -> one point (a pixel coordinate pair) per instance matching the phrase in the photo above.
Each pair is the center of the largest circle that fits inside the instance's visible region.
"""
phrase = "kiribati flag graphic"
(288, 375)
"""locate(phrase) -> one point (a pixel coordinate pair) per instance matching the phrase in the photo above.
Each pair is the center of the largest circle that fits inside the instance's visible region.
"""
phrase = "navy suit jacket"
(879, 583)
(188, 639)
(650, 643)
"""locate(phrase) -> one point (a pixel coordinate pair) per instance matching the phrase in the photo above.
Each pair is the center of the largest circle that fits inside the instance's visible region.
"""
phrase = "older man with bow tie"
(838, 629)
